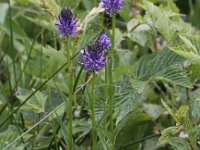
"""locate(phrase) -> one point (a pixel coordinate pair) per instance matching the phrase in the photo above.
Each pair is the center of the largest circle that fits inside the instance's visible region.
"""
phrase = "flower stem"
(92, 105)
(70, 82)
(111, 92)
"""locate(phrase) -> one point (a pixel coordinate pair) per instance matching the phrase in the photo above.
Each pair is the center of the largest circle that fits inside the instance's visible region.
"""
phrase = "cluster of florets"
(112, 6)
(94, 56)
(67, 24)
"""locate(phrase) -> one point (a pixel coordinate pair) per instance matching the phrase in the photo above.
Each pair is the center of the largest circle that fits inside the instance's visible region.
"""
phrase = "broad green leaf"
(3, 11)
(172, 113)
(195, 110)
(18, 31)
(163, 21)
(8, 136)
(162, 66)
(36, 103)
(188, 48)
(168, 134)
(194, 71)
(133, 23)
(118, 37)
(42, 22)
(140, 34)
(126, 101)
(153, 110)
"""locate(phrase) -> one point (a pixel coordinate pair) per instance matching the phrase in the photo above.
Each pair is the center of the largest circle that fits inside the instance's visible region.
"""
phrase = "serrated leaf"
(163, 21)
(126, 101)
(189, 48)
(140, 34)
(8, 136)
(162, 66)
(168, 134)
(153, 110)
(132, 24)
(169, 110)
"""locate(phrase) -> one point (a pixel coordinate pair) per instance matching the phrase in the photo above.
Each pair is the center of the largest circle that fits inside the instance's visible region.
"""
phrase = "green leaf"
(118, 37)
(18, 32)
(126, 101)
(165, 21)
(153, 110)
(3, 11)
(132, 24)
(194, 71)
(8, 136)
(46, 24)
(168, 134)
(195, 110)
(140, 34)
(162, 66)
(172, 113)
(36, 103)
(189, 48)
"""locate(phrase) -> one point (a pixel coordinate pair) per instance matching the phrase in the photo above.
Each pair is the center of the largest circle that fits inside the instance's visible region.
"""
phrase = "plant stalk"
(92, 105)
(70, 82)
(111, 91)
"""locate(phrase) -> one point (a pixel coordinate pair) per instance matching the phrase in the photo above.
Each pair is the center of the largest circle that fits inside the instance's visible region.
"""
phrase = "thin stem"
(138, 141)
(92, 105)
(11, 38)
(41, 86)
(64, 115)
(48, 115)
(111, 92)
(106, 86)
(29, 54)
(70, 86)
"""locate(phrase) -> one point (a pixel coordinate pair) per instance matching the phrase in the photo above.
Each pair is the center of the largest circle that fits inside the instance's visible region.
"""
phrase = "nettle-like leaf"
(165, 21)
(8, 136)
(126, 101)
(188, 48)
(137, 32)
(184, 126)
(153, 110)
(164, 66)
(168, 134)
(36, 103)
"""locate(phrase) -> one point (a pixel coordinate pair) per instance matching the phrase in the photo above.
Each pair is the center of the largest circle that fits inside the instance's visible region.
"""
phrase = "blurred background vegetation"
(31, 51)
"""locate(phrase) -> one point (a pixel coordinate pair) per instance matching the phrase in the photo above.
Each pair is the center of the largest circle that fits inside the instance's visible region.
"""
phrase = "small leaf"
(169, 110)
(36, 103)
(168, 134)
(3, 11)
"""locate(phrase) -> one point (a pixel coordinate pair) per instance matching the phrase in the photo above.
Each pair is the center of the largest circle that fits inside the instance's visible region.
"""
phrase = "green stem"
(70, 82)
(111, 92)
(106, 87)
(92, 105)
(12, 44)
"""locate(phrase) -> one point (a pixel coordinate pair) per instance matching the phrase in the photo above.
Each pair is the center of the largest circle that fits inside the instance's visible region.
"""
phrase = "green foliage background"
(156, 76)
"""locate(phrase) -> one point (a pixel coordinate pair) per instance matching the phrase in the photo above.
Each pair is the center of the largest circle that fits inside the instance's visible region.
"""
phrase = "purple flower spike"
(112, 6)
(66, 25)
(93, 60)
(103, 43)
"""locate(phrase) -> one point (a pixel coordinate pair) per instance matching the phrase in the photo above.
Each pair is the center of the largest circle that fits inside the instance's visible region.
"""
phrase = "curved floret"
(103, 42)
(93, 60)
(66, 25)
(112, 6)
(94, 55)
